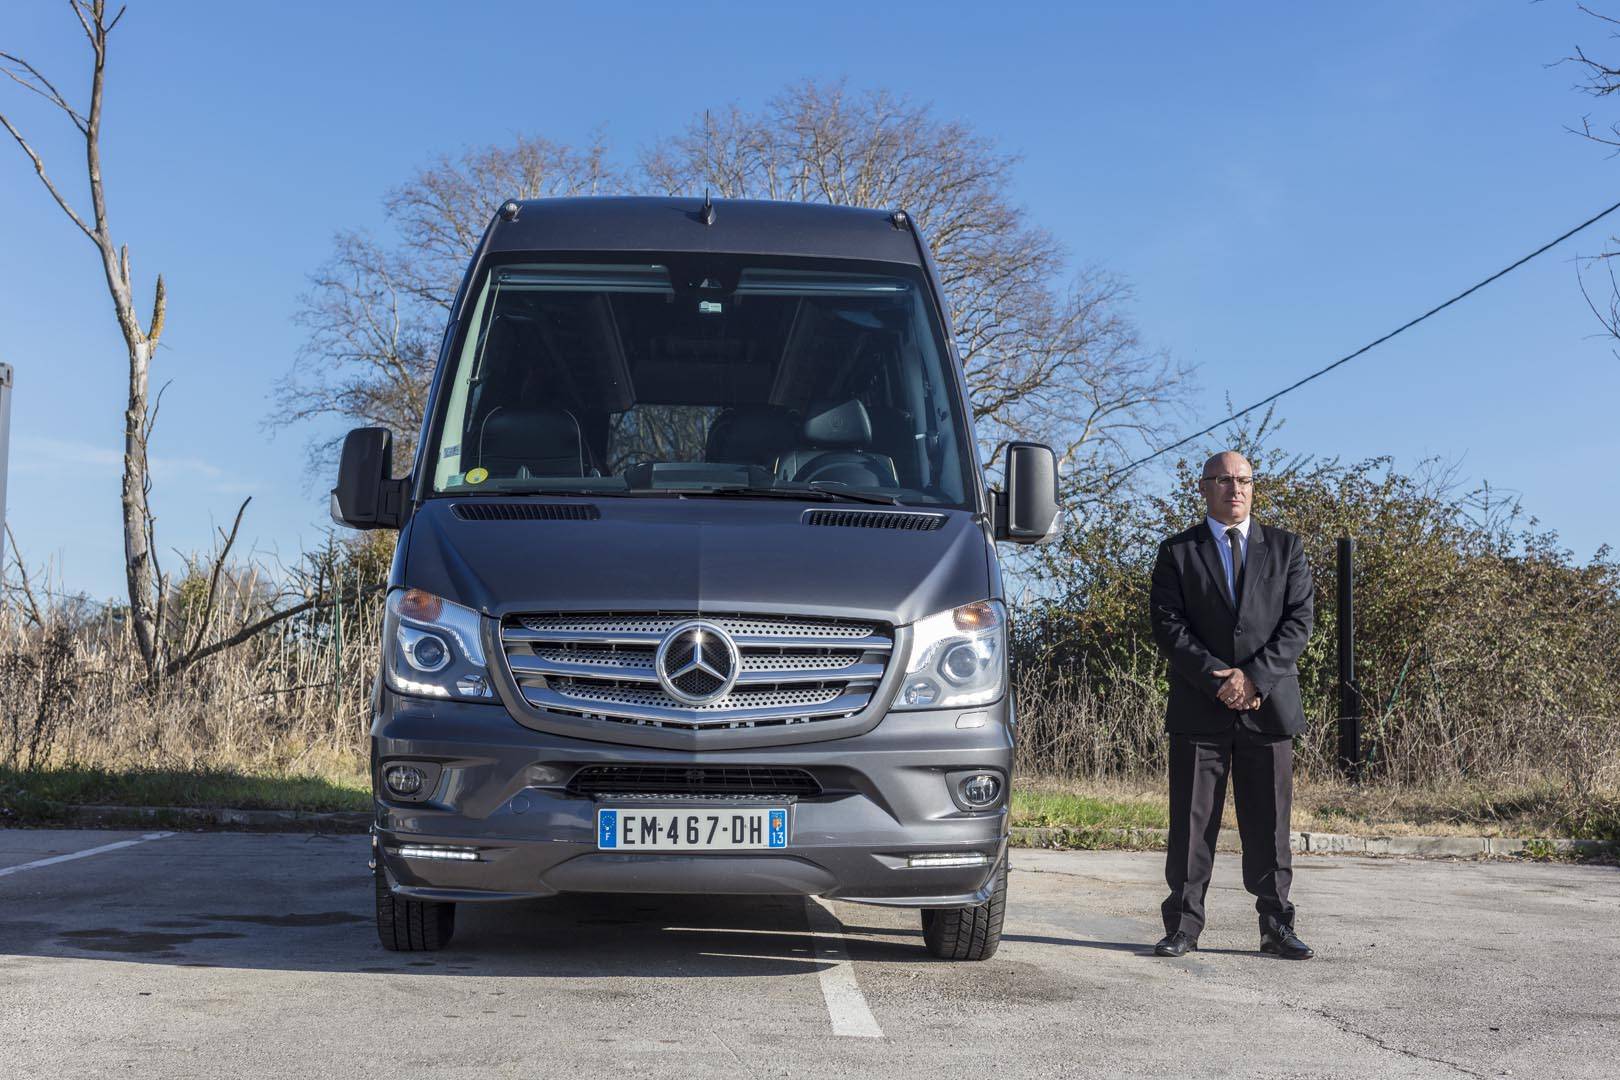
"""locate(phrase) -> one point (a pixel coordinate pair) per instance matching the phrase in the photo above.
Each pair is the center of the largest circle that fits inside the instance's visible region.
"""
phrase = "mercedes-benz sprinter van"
(696, 587)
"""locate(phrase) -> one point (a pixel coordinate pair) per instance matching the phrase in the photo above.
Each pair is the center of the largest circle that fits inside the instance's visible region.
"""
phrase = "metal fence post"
(1349, 693)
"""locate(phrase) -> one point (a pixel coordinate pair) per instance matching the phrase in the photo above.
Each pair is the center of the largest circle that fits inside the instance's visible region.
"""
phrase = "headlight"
(958, 657)
(433, 648)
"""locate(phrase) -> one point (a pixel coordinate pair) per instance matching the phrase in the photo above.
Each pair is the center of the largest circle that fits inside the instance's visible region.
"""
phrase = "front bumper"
(502, 787)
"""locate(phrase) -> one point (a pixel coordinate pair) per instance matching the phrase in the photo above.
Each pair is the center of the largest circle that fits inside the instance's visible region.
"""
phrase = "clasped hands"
(1238, 691)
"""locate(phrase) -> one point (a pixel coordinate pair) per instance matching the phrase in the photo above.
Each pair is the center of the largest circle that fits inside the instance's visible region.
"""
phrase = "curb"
(1057, 838)
(340, 821)
(1445, 847)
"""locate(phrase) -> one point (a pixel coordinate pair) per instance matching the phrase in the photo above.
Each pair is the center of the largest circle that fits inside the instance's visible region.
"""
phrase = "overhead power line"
(1437, 309)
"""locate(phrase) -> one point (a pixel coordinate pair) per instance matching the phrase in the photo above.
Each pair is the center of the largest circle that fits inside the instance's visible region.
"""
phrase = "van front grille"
(603, 666)
(702, 780)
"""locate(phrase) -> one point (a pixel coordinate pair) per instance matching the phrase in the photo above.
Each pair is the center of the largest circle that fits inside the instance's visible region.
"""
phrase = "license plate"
(690, 830)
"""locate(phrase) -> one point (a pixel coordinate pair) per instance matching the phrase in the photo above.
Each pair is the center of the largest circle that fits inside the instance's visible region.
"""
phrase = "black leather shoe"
(1283, 942)
(1176, 944)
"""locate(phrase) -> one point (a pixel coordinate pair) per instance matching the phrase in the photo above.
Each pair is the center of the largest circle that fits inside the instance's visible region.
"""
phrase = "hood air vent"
(875, 519)
(495, 511)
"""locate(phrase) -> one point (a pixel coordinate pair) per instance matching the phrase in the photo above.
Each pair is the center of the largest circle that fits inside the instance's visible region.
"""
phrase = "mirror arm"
(395, 496)
(998, 514)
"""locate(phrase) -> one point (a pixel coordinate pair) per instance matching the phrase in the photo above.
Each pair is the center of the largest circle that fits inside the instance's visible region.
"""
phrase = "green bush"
(1483, 649)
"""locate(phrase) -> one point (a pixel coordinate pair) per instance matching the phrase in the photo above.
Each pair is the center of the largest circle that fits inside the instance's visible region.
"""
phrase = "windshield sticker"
(477, 476)
(450, 452)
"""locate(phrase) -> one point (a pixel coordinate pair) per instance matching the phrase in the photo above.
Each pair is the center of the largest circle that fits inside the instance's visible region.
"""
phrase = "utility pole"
(5, 456)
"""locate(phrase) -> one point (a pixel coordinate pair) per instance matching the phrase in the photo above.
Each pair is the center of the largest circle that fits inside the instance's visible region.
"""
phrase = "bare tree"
(1044, 359)
(442, 212)
(375, 314)
(165, 649)
(372, 344)
(140, 562)
(1600, 80)
(1046, 355)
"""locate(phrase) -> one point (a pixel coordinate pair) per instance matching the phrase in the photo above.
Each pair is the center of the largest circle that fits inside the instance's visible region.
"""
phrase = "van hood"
(700, 554)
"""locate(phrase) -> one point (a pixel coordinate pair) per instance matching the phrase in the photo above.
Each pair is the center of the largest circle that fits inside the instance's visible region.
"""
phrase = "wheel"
(970, 933)
(411, 925)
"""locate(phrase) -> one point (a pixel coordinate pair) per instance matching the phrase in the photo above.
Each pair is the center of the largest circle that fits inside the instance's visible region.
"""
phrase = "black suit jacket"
(1198, 629)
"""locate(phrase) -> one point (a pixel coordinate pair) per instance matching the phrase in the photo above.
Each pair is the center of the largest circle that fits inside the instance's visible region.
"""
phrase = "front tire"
(411, 925)
(970, 933)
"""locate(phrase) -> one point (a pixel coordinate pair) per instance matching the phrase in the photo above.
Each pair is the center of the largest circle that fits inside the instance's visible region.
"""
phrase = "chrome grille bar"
(652, 638)
(637, 669)
(682, 716)
(601, 666)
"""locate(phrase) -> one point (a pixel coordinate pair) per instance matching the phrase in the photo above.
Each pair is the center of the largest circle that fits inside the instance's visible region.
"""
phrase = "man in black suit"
(1231, 605)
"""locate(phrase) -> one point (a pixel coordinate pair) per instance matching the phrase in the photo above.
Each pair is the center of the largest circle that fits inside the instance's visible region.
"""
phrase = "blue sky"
(1279, 182)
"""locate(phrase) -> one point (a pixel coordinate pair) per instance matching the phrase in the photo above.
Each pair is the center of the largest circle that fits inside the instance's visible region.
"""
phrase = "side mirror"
(1028, 511)
(366, 497)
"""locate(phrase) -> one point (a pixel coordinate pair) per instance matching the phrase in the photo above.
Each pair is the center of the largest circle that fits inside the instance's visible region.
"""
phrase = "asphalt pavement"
(137, 954)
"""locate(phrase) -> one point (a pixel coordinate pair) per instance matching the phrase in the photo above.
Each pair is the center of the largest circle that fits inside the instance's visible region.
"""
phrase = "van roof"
(740, 226)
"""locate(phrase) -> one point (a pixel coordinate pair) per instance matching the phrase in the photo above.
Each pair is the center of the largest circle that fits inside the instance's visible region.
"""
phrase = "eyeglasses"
(1228, 480)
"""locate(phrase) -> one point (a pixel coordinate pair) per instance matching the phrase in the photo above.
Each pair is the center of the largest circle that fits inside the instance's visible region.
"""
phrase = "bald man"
(1231, 606)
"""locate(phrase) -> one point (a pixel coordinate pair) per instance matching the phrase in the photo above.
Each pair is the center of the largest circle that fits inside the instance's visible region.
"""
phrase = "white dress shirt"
(1225, 549)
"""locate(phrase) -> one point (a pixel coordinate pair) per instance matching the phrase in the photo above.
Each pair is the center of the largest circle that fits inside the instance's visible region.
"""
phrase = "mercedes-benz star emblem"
(697, 663)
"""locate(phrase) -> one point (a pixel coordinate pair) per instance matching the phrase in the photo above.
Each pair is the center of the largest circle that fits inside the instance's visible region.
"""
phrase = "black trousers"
(1261, 767)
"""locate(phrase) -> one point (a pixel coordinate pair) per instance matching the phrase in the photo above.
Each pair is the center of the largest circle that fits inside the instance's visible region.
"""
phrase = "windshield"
(714, 374)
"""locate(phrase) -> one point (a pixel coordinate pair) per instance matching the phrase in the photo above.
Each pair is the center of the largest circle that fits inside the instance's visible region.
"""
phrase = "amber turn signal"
(420, 605)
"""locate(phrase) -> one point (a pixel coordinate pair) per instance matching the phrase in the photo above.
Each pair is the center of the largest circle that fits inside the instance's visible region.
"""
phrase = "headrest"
(546, 440)
(749, 435)
(837, 423)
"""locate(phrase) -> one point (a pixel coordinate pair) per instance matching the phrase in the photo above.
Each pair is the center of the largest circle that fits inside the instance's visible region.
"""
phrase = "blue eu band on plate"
(695, 829)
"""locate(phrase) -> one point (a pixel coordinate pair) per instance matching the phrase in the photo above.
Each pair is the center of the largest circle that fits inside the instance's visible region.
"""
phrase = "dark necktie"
(1234, 538)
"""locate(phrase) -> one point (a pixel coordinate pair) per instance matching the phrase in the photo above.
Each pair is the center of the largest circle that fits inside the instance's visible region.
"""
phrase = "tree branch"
(34, 614)
(44, 178)
(213, 583)
(253, 629)
(37, 83)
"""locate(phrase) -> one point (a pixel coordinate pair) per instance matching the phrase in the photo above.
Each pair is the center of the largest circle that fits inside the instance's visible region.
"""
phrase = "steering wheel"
(827, 467)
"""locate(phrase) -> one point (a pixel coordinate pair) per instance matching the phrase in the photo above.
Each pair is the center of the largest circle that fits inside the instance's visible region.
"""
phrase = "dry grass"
(293, 700)
(1513, 774)
(292, 705)
(1332, 806)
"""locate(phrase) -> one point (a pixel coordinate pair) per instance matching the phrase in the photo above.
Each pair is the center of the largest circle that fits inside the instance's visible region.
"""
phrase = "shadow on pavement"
(572, 936)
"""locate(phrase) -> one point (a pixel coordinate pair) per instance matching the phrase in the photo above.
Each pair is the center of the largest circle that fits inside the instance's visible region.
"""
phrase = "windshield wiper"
(842, 491)
(521, 492)
(815, 490)
(811, 490)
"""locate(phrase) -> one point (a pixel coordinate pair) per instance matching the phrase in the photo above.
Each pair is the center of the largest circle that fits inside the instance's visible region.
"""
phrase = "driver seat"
(837, 435)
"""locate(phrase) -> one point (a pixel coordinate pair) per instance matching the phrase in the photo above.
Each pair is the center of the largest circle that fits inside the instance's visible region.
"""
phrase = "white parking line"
(846, 1006)
(70, 856)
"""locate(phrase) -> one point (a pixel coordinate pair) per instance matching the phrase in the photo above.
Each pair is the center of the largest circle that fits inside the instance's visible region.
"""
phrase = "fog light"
(439, 851)
(404, 779)
(946, 858)
(981, 789)
(920, 692)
